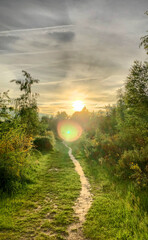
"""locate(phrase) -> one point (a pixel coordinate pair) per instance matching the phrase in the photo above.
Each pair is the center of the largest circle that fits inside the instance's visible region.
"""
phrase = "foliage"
(82, 117)
(14, 151)
(18, 122)
(50, 123)
(120, 136)
(61, 116)
(46, 124)
(5, 106)
(144, 40)
(45, 143)
(136, 165)
(136, 87)
(50, 135)
(26, 84)
(26, 105)
(30, 120)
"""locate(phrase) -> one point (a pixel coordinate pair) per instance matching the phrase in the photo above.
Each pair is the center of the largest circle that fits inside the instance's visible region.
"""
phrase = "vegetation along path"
(82, 204)
(44, 209)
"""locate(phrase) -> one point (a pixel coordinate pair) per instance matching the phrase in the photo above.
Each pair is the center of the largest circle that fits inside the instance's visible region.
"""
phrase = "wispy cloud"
(53, 29)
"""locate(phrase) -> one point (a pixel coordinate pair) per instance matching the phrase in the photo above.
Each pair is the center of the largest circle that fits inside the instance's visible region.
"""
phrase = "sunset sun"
(78, 105)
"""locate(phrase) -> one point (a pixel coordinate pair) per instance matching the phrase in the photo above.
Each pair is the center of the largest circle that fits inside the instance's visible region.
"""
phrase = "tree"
(5, 106)
(26, 104)
(27, 99)
(61, 116)
(136, 87)
(144, 40)
(82, 118)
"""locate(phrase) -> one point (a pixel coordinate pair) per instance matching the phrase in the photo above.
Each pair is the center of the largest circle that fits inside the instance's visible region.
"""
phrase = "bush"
(50, 135)
(14, 150)
(133, 164)
(102, 146)
(45, 143)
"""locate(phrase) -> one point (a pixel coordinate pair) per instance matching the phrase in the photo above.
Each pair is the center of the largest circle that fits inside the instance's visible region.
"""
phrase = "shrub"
(102, 146)
(45, 143)
(14, 150)
(50, 135)
(133, 164)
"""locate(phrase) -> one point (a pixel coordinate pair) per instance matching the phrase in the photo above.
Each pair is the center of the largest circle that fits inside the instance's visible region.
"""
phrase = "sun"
(78, 105)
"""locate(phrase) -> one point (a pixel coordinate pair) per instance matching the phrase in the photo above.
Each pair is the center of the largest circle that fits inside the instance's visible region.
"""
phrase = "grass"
(117, 211)
(43, 209)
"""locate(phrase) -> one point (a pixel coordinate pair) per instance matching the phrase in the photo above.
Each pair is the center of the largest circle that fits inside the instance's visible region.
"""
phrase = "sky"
(78, 49)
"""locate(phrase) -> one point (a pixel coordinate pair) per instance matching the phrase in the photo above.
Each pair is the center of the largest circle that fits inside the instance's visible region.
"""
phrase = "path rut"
(82, 204)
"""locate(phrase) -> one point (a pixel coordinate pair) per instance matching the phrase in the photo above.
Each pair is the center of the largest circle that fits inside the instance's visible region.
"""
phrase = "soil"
(82, 204)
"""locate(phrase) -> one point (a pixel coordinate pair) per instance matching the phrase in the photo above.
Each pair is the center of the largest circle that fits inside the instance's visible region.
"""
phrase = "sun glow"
(78, 105)
(69, 130)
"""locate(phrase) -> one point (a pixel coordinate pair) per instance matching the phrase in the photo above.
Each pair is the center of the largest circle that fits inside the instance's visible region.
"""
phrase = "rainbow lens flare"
(69, 130)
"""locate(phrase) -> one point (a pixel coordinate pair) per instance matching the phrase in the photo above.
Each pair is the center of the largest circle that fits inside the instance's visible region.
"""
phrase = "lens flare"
(69, 130)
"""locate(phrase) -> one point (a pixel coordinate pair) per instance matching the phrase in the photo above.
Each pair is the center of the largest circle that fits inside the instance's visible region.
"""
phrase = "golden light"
(78, 105)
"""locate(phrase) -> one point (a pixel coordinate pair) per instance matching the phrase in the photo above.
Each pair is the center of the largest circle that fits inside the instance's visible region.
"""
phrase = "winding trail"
(82, 204)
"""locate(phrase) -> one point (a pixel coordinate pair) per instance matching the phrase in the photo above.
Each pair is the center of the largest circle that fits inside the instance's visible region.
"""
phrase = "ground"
(44, 209)
(48, 207)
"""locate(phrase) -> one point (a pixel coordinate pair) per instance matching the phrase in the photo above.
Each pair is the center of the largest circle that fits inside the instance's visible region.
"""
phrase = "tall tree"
(26, 104)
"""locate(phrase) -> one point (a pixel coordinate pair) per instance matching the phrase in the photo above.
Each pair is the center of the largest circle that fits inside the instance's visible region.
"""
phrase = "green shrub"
(45, 143)
(50, 135)
(14, 150)
(133, 164)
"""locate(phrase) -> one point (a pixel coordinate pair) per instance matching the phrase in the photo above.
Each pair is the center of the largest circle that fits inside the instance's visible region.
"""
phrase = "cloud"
(53, 29)
(78, 49)
(6, 43)
(18, 14)
(63, 37)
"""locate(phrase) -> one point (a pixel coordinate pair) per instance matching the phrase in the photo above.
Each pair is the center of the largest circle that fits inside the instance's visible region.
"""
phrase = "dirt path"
(82, 204)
